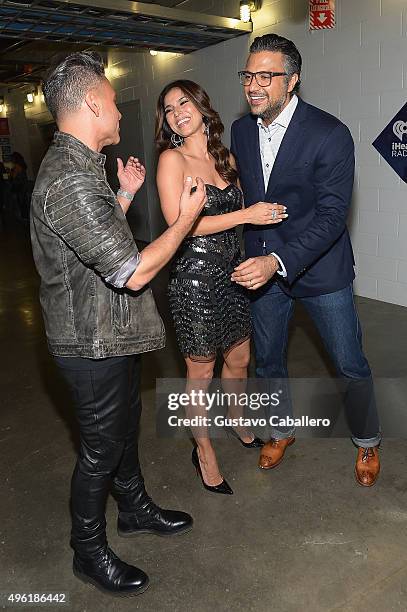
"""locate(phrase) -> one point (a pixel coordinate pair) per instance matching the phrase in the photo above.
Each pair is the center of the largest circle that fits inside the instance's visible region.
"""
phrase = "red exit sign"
(321, 14)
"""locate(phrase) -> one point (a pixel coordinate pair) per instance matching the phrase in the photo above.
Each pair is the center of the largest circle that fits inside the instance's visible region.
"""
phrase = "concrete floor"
(303, 537)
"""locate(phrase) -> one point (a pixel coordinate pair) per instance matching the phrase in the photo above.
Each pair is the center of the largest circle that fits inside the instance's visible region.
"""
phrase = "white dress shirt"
(270, 138)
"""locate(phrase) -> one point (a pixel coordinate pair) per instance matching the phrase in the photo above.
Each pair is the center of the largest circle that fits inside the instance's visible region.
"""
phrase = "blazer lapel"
(255, 159)
(289, 146)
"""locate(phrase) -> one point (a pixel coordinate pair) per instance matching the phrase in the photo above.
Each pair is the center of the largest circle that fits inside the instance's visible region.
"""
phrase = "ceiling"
(169, 3)
(33, 31)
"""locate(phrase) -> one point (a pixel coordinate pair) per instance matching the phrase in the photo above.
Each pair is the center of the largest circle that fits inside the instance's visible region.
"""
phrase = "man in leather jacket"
(99, 313)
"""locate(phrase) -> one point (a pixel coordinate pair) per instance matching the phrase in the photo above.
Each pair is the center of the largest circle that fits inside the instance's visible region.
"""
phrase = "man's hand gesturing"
(256, 271)
(131, 176)
(191, 204)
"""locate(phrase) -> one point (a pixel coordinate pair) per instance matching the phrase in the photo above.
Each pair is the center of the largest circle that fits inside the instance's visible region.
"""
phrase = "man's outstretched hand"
(131, 176)
(255, 271)
(192, 201)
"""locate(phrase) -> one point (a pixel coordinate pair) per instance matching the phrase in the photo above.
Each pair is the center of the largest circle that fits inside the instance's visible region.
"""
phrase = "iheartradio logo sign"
(399, 129)
(392, 145)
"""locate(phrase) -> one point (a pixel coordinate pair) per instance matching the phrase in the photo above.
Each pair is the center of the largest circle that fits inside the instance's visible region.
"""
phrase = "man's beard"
(273, 110)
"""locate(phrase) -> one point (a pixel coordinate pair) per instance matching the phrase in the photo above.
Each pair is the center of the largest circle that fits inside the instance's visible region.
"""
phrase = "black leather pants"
(108, 407)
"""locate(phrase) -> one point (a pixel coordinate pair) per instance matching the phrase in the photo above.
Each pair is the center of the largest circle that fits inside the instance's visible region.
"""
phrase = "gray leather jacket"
(84, 252)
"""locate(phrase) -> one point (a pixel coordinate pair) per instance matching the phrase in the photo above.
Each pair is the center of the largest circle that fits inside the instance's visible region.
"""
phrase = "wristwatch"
(126, 194)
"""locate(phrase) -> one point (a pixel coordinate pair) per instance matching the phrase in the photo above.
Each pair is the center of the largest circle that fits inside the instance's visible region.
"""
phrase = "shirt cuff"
(119, 278)
(283, 271)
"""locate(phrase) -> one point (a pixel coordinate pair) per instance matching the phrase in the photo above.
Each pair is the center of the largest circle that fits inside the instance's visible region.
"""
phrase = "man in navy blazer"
(295, 154)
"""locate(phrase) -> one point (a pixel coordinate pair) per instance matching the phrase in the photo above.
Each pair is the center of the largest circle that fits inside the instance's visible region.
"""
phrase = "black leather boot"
(109, 574)
(150, 518)
(94, 562)
(139, 514)
(103, 397)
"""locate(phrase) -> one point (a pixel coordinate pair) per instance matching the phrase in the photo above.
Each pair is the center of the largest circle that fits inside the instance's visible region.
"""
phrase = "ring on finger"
(274, 214)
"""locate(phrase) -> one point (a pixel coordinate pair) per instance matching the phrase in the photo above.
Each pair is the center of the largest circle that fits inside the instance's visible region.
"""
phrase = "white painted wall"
(357, 72)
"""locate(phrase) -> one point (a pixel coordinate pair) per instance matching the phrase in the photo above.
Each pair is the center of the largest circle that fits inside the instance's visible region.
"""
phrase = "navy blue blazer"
(313, 176)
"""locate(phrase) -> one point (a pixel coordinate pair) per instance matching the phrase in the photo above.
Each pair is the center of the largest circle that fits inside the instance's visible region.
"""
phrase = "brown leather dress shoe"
(367, 466)
(273, 451)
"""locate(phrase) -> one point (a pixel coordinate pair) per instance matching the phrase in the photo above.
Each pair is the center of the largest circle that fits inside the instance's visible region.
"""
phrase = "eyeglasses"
(262, 78)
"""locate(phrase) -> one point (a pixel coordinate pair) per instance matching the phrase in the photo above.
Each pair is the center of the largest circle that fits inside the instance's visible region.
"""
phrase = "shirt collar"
(284, 118)
(67, 140)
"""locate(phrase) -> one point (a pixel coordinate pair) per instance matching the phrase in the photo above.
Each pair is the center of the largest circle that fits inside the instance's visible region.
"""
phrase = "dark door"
(131, 143)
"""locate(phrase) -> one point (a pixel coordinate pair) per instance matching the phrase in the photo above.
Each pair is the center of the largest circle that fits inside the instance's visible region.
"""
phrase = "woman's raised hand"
(264, 213)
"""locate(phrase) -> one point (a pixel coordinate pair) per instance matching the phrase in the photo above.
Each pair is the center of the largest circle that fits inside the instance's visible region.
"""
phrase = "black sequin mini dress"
(210, 312)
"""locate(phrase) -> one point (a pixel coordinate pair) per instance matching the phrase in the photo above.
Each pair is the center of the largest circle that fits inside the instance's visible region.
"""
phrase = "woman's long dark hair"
(200, 99)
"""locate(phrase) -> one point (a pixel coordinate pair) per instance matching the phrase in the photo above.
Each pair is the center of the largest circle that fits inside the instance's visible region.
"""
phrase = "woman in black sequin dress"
(210, 312)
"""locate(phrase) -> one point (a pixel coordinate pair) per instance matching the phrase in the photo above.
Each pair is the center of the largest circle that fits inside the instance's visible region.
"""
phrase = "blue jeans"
(335, 317)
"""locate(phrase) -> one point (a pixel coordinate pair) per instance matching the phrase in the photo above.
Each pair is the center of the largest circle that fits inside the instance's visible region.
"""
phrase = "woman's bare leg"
(234, 380)
(199, 374)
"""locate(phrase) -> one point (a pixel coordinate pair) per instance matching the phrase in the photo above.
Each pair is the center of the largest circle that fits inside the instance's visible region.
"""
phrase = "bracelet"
(126, 194)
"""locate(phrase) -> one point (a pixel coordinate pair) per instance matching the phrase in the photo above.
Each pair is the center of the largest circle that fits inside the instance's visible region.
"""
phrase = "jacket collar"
(62, 139)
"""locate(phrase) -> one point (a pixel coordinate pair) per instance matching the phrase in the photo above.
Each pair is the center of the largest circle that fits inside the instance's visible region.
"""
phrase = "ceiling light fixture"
(153, 52)
(247, 7)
